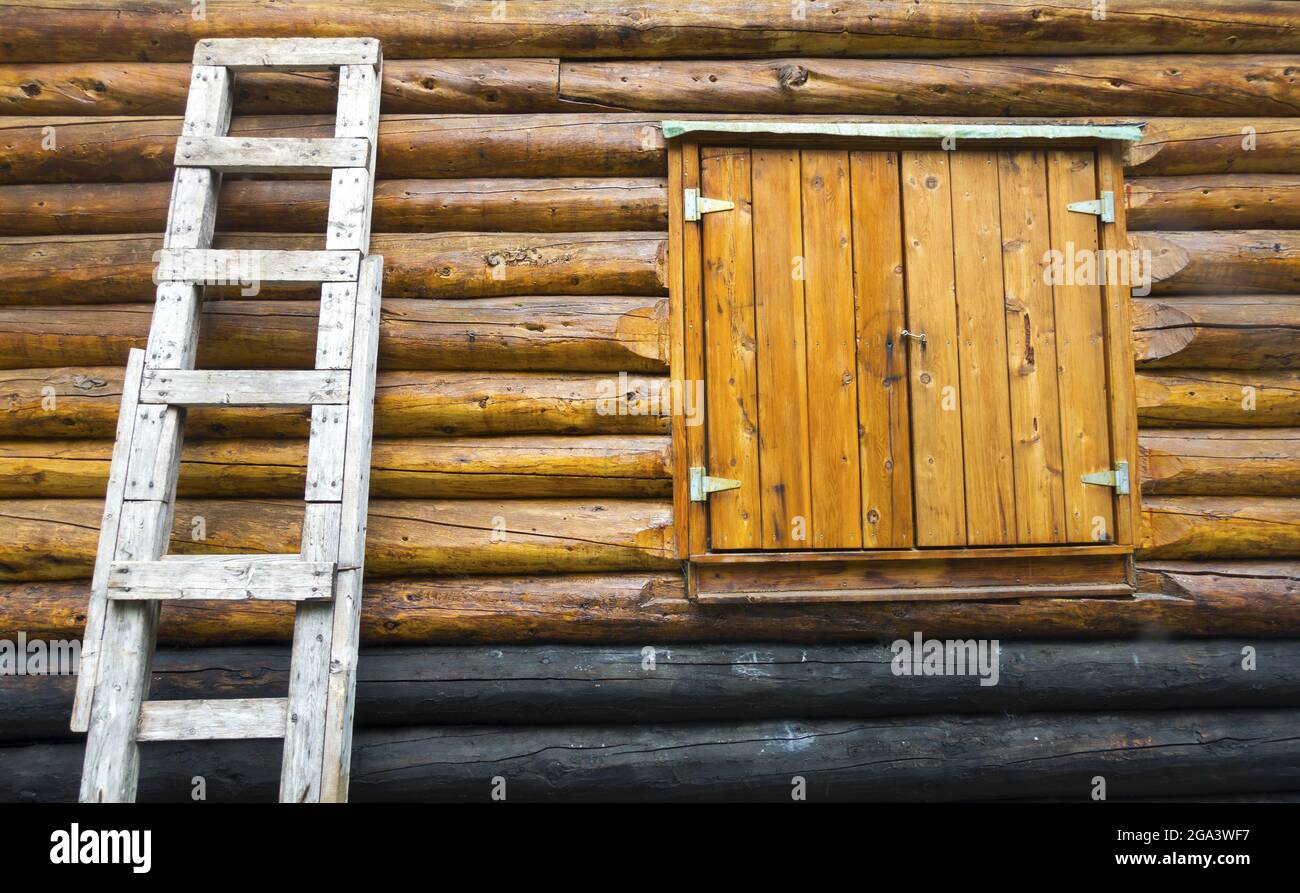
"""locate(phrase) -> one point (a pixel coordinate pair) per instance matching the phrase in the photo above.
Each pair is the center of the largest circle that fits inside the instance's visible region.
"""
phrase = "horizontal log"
(1131, 85)
(586, 334)
(1202, 599)
(1218, 398)
(931, 758)
(400, 206)
(1218, 527)
(1221, 462)
(549, 685)
(1218, 262)
(108, 269)
(121, 30)
(83, 402)
(1213, 201)
(1218, 332)
(432, 468)
(1189, 146)
(56, 539)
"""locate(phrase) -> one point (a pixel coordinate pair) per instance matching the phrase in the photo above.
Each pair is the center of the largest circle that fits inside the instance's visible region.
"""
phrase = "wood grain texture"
(1221, 462)
(1218, 332)
(1214, 527)
(1245, 261)
(1214, 201)
(1200, 397)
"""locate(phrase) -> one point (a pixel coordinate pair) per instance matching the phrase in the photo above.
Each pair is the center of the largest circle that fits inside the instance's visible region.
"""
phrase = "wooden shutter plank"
(730, 359)
(782, 362)
(986, 405)
(885, 448)
(836, 521)
(1031, 348)
(1080, 348)
(935, 378)
(693, 321)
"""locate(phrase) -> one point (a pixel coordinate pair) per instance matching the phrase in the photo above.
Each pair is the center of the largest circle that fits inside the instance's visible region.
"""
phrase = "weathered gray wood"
(325, 452)
(286, 53)
(223, 266)
(235, 718)
(244, 387)
(271, 155)
(225, 577)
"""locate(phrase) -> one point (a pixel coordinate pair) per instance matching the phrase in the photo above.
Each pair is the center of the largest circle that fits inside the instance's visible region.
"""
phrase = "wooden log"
(1219, 527)
(634, 466)
(1218, 332)
(1190, 146)
(1132, 85)
(483, 205)
(1221, 462)
(1208, 397)
(537, 333)
(1214, 201)
(930, 758)
(124, 30)
(1250, 261)
(56, 539)
(83, 401)
(41, 270)
(549, 685)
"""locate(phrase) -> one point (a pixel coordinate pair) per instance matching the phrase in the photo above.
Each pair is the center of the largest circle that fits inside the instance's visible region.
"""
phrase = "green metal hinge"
(696, 204)
(1103, 207)
(1118, 478)
(702, 485)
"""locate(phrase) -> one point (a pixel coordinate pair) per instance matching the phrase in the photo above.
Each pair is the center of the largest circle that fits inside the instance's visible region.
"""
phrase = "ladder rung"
(245, 268)
(272, 387)
(212, 720)
(286, 53)
(253, 155)
(224, 577)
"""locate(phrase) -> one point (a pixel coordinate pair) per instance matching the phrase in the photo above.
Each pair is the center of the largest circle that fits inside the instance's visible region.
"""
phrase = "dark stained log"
(905, 759)
(431, 468)
(1218, 398)
(120, 30)
(1222, 261)
(55, 539)
(484, 205)
(83, 401)
(549, 685)
(1218, 332)
(1214, 201)
(1218, 527)
(1187, 146)
(1221, 462)
(1133, 85)
(44, 270)
(533, 333)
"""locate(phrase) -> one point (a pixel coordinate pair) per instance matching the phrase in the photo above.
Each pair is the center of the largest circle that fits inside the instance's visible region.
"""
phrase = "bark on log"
(636, 466)
(1218, 332)
(83, 402)
(1214, 201)
(933, 758)
(588, 334)
(109, 269)
(1239, 261)
(550, 685)
(1186, 146)
(1202, 599)
(1131, 85)
(1221, 462)
(1216, 527)
(1207, 397)
(483, 205)
(56, 539)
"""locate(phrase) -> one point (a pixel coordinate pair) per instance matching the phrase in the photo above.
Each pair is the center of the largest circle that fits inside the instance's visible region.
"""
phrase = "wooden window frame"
(935, 573)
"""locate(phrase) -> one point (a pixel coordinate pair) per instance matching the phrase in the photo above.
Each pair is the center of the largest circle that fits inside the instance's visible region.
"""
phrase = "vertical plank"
(831, 351)
(1031, 348)
(782, 358)
(933, 367)
(1080, 348)
(693, 361)
(677, 353)
(884, 438)
(730, 357)
(982, 349)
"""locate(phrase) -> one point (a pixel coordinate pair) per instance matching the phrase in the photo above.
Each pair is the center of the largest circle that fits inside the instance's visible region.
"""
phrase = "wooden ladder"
(132, 570)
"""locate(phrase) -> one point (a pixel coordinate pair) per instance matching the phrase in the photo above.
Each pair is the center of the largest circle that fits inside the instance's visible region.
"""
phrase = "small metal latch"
(1117, 478)
(702, 485)
(696, 204)
(1103, 207)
